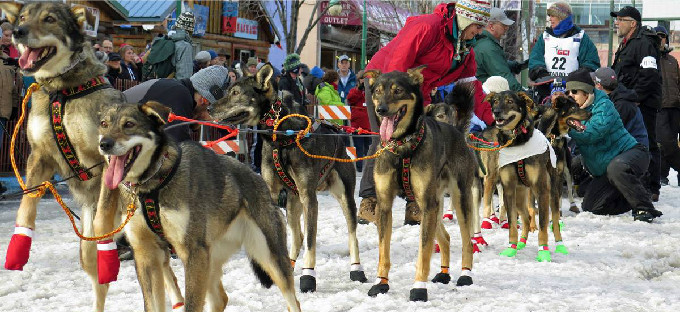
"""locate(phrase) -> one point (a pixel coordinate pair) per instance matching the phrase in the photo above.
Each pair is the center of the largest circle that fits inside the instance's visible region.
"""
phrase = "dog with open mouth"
(62, 132)
(424, 159)
(206, 206)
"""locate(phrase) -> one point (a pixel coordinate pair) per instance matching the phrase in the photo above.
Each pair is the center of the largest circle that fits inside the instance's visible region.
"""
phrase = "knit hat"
(472, 12)
(211, 82)
(560, 9)
(113, 56)
(251, 62)
(606, 77)
(292, 62)
(661, 30)
(213, 54)
(185, 21)
(495, 84)
(316, 72)
(202, 56)
(580, 80)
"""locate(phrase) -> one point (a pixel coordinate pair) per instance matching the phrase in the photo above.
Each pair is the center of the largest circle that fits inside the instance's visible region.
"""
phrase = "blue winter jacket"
(604, 137)
(343, 89)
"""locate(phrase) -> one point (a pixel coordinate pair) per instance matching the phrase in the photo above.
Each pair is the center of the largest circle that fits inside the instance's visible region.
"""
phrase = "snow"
(614, 264)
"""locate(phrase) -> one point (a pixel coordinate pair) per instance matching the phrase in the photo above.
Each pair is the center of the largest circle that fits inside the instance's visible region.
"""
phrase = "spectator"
(668, 118)
(357, 100)
(8, 52)
(213, 57)
(189, 97)
(184, 51)
(440, 40)
(113, 63)
(107, 46)
(233, 76)
(491, 60)
(348, 79)
(251, 66)
(636, 68)
(568, 48)
(616, 161)
(313, 79)
(327, 92)
(131, 65)
(625, 101)
(201, 60)
(290, 81)
(223, 57)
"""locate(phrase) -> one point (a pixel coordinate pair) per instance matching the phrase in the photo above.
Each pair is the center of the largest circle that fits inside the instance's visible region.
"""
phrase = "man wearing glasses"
(636, 68)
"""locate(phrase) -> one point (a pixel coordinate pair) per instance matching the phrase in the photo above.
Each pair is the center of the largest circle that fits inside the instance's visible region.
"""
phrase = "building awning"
(145, 11)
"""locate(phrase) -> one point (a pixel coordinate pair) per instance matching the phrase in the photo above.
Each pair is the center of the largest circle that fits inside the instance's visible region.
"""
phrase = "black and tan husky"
(425, 159)
(253, 101)
(204, 205)
(62, 127)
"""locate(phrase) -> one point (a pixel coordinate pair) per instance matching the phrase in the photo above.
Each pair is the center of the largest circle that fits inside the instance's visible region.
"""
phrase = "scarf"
(564, 26)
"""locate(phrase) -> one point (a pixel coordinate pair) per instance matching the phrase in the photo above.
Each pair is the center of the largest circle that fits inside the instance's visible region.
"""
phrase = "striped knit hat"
(472, 11)
(560, 9)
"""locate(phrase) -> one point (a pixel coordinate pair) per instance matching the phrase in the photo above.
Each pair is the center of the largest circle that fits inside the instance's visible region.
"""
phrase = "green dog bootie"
(561, 226)
(510, 251)
(560, 248)
(543, 254)
(522, 243)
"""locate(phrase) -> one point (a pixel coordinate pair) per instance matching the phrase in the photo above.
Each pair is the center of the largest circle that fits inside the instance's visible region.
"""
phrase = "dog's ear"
(11, 10)
(156, 111)
(82, 15)
(264, 76)
(527, 100)
(372, 75)
(416, 74)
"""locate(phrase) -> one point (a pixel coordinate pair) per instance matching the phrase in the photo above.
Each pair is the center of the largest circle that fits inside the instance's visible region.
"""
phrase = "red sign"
(563, 52)
(350, 15)
(228, 25)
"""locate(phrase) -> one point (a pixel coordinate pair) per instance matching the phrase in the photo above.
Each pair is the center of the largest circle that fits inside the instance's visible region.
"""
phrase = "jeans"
(649, 116)
(621, 189)
(667, 129)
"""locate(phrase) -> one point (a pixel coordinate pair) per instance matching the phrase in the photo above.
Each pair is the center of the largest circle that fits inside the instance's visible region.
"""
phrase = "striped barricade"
(351, 152)
(335, 112)
(224, 147)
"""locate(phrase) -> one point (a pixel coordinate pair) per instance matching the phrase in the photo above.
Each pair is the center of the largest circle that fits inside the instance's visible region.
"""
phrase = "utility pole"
(611, 34)
(363, 38)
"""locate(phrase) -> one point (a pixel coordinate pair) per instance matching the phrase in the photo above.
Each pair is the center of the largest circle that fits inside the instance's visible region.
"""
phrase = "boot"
(413, 214)
(367, 210)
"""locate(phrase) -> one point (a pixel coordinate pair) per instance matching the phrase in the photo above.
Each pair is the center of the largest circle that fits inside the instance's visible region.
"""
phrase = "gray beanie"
(203, 56)
(211, 82)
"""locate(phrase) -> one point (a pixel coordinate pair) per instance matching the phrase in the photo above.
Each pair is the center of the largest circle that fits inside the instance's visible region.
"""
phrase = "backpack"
(159, 63)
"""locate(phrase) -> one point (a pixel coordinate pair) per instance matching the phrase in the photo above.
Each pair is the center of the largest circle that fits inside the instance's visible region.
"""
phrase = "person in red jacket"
(441, 41)
(357, 100)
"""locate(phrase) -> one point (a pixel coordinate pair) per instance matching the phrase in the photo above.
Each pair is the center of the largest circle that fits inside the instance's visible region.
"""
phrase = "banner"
(201, 14)
(246, 28)
(90, 30)
(229, 17)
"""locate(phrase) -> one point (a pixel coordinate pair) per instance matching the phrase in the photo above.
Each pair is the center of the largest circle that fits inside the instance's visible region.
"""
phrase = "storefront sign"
(229, 17)
(201, 14)
(91, 30)
(246, 28)
(349, 15)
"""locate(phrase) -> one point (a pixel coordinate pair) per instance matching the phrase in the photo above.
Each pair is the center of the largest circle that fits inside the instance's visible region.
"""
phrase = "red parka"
(356, 99)
(423, 41)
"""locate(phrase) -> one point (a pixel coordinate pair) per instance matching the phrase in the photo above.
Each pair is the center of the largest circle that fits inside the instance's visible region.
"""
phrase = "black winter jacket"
(671, 79)
(636, 66)
(626, 104)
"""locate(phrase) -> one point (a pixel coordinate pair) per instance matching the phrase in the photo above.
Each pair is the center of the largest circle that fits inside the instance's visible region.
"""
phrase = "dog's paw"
(543, 256)
(19, 248)
(442, 277)
(358, 276)
(380, 288)
(464, 280)
(436, 248)
(522, 243)
(486, 224)
(307, 283)
(448, 216)
(510, 251)
(108, 264)
(560, 248)
(418, 294)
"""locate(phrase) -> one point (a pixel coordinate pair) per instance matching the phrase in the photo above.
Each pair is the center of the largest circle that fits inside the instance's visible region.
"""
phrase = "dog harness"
(521, 172)
(150, 206)
(58, 102)
(405, 173)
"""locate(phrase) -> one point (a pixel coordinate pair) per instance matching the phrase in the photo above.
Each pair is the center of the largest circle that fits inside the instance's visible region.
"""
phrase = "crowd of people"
(626, 153)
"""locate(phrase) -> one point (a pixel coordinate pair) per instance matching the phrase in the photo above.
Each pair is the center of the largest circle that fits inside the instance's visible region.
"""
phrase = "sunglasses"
(570, 92)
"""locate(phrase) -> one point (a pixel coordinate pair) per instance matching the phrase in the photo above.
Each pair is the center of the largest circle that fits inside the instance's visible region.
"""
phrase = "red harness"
(59, 100)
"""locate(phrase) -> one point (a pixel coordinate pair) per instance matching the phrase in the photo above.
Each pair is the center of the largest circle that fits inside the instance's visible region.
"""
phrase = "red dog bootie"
(108, 264)
(448, 215)
(19, 248)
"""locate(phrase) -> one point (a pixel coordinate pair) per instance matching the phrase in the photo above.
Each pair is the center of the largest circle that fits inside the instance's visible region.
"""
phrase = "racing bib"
(561, 54)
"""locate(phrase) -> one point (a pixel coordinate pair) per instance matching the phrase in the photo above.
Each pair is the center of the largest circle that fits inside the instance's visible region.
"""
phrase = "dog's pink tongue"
(114, 173)
(29, 57)
(386, 128)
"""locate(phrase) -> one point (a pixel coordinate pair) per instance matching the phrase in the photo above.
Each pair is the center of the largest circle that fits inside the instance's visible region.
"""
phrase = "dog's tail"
(262, 276)
(462, 98)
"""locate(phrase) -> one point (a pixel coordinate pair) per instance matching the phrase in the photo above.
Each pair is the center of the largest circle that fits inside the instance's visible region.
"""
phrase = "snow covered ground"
(614, 264)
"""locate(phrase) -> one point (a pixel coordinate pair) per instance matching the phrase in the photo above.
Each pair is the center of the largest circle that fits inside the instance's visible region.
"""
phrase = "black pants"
(367, 184)
(667, 129)
(653, 182)
(621, 188)
(362, 143)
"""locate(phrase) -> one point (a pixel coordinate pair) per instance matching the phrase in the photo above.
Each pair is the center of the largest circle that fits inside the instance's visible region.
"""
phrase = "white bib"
(561, 54)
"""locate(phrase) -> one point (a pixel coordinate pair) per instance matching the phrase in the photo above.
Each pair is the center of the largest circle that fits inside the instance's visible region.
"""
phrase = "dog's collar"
(272, 115)
(416, 137)
(58, 102)
(79, 58)
(163, 177)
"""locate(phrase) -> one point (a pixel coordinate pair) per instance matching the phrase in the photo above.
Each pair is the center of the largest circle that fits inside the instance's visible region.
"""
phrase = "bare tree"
(288, 14)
